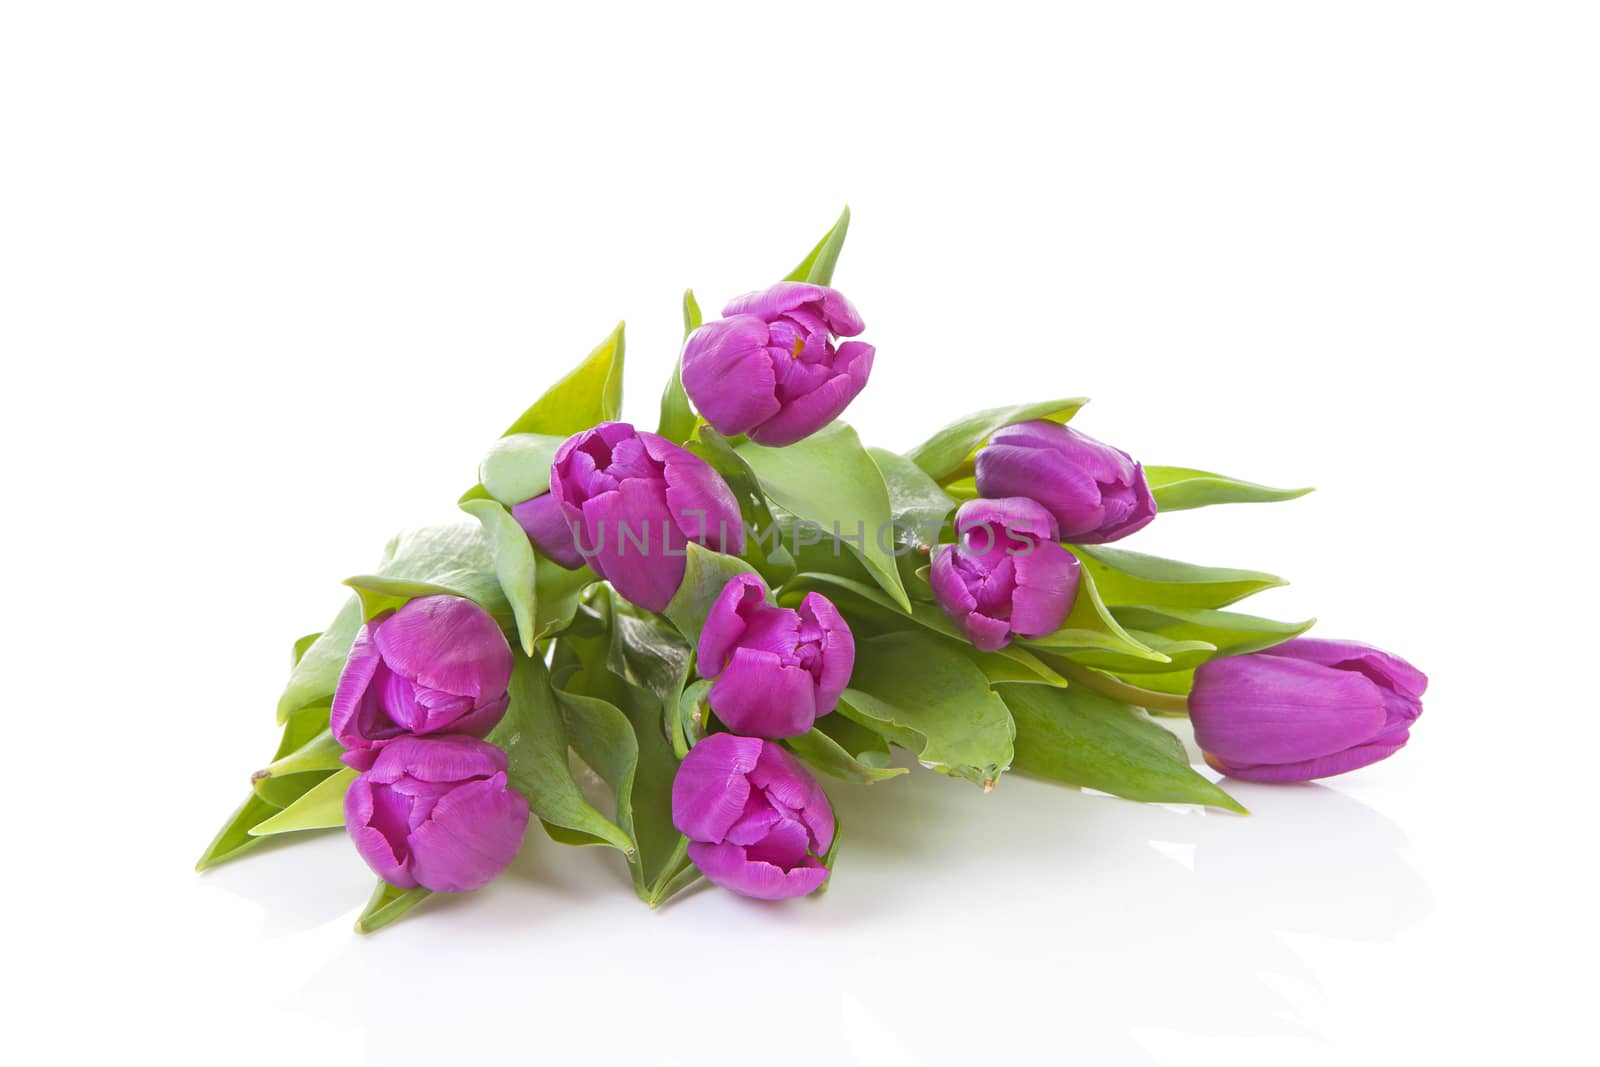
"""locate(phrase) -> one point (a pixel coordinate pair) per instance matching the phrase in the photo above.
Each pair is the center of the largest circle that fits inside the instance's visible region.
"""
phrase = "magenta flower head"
(757, 823)
(769, 367)
(631, 501)
(1096, 493)
(776, 669)
(436, 812)
(437, 665)
(1304, 709)
(1006, 576)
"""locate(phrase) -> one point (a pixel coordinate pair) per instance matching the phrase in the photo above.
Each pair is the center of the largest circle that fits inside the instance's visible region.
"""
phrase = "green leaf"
(704, 575)
(433, 560)
(590, 394)
(316, 673)
(1083, 739)
(234, 838)
(1181, 488)
(943, 454)
(301, 647)
(764, 547)
(910, 682)
(688, 726)
(560, 591)
(817, 267)
(321, 808)
(830, 757)
(387, 904)
(1124, 577)
(517, 467)
(830, 480)
(677, 874)
(1181, 655)
(513, 564)
(1092, 625)
(917, 506)
(678, 420)
(288, 778)
(534, 737)
(1233, 633)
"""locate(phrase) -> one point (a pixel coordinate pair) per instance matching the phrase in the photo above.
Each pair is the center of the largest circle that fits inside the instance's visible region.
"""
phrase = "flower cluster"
(623, 644)
(432, 806)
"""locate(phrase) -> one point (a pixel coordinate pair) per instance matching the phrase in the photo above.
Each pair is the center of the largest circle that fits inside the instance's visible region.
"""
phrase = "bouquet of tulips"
(654, 641)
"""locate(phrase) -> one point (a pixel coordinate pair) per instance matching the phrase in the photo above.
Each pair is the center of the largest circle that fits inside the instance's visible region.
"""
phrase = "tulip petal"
(759, 696)
(729, 375)
(711, 789)
(632, 542)
(350, 696)
(1068, 492)
(805, 415)
(441, 758)
(769, 303)
(447, 643)
(730, 867)
(1047, 584)
(838, 659)
(1304, 771)
(725, 622)
(473, 833)
(700, 502)
(1384, 668)
(374, 847)
(545, 521)
(790, 784)
(1268, 709)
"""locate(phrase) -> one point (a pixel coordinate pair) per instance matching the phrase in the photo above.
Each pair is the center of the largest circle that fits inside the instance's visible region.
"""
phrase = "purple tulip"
(777, 669)
(769, 367)
(1304, 709)
(545, 523)
(1005, 576)
(1096, 493)
(632, 500)
(757, 823)
(436, 812)
(437, 665)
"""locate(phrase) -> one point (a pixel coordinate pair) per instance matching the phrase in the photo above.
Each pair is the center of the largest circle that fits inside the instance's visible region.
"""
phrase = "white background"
(272, 276)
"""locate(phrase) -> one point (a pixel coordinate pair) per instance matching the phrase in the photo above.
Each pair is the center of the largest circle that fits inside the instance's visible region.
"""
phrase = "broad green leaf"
(513, 564)
(764, 547)
(830, 757)
(647, 651)
(434, 560)
(917, 506)
(235, 838)
(321, 808)
(817, 267)
(830, 480)
(1181, 488)
(909, 682)
(559, 593)
(1092, 625)
(1083, 739)
(943, 454)
(1233, 633)
(301, 647)
(704, 576)
(868, 609)
(316, 673)
(591, 394)
(287, 778)
(517, 468)
(678, 420)
(1124, 577)
(534, 737)
(388, 903)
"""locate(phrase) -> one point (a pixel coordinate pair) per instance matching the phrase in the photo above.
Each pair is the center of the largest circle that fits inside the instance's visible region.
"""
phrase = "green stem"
(1117, 689)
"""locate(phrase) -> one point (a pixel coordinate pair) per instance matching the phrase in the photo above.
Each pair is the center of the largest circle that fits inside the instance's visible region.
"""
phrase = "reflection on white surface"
(1084, 921)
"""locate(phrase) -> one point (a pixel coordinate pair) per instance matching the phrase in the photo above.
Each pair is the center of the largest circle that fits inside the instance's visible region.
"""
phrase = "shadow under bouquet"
(654, 641)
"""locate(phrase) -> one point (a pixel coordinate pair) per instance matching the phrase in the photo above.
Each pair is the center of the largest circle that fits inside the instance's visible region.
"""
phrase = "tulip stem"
(1117, 689)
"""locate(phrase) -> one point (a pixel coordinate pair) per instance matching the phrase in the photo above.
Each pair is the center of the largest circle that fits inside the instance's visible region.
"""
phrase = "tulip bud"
(1304, 709)
(436, 812)
(757, 823)
(437, 665)
(776, 669)
(1006, 575)
(1096, 493)
(631, 501)
(769, 368)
